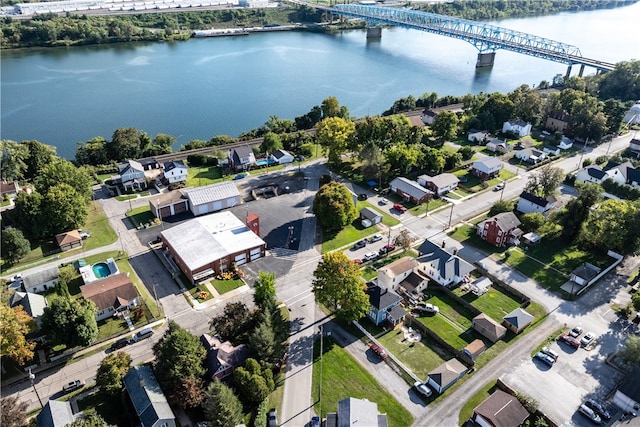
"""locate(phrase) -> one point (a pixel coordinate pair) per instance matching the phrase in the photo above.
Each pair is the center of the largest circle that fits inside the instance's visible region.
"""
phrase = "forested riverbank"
(51, 30)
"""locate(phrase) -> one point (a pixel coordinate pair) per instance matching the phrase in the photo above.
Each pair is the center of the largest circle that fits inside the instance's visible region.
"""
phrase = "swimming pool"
(265, 162)
(101, 270)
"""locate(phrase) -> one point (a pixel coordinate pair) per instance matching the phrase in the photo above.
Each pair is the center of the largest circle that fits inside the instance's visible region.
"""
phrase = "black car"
(272, 418)
(360, 244)
(362, 196)
(598, 408)
(122, 342)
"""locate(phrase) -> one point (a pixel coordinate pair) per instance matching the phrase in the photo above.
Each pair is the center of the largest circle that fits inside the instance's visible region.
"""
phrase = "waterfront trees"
(333, 133)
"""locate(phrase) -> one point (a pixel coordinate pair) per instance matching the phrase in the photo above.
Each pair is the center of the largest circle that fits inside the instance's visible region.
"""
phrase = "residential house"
(56, 414)
(479, 136)
(500, 410)
(69, 240)
(175, 171)
(429, 115)
(623, 173)
(480, 286)
(584, 274)
(497, 145)
(442, 267)
(530, 155)
(634, 145)
(551, 150)
(356, 412)
(131, 176)
(111, 295)
(32, 304)
(446, 375)
(627, 395)
(211, 244)
(487, 168)
(488, 328)
(500, 229)
(632, 117)
(565, 143)
(282, 157)
(391, 275)
(149, 163)
(517, 320)
(413, 285)
(370, 216)
(558, 121)
(518, 127)
(439, 184)
(9, 189)
(169, 204)
(410, 190)
(41, 281)
(530, 203)
(242, 158)
(592, 174)
(148, 400)
(222, 357)
(212, 198)
(384, 305)
(474, 349)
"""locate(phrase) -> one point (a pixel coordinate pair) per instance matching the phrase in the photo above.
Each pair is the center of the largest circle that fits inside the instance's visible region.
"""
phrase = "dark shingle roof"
(540, 201)
(596, 172)
(446, 264)
(174, 164)
(146, 395)
(381, 298)
(503, 410)
(518, 318)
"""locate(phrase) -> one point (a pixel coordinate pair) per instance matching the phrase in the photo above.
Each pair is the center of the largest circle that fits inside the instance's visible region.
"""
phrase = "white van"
(142, 334)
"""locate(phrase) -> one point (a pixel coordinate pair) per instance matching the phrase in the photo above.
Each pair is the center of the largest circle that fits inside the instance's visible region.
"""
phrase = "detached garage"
(169, 204)
(212, 198)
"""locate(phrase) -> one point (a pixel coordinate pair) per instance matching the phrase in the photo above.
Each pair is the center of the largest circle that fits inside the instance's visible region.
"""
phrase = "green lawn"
(451, 332)
(332, 240)
(224, 286)
(343, 377)
(142, 215)
(126, 197)
(195, 293)
(387, 218)
(109, 408)
(495, 303)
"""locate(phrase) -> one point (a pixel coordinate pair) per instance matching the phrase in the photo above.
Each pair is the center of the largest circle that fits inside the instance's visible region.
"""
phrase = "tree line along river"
(229, 85)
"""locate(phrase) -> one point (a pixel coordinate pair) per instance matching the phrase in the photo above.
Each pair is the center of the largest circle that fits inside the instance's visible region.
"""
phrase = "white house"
(131, 175)
(41, 280)
(439, 184)
(212, 197)
(565, 143)
(634, 145)
(242, 158)
(282, 157)
(530, 203)
(175, 171)
(486, 168)
(519, 127)
(441, 266)
(111, 295)
(391, 275)
(592, 173)
(633, 115)
(627, 396)
(531, 155)
(497, 145)
(480, 136)
(551, 150)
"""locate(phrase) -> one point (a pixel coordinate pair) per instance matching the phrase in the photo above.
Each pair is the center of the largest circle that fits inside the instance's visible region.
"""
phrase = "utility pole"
(504, 184)
(32, 377)
(450, 216)
(320, 382)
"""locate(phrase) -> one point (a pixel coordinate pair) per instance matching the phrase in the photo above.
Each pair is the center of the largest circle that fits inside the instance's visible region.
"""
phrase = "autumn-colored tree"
(14, 326)
(13, 412)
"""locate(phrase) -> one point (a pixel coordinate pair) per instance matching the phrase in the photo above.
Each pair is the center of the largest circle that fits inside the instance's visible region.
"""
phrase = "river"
(229, 85)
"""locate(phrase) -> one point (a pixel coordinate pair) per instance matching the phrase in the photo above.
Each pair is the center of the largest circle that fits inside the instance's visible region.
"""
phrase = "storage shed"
(370, 217)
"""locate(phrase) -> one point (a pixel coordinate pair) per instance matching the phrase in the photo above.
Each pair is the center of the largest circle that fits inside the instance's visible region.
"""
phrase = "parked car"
(422, 388)
(550, 353)
(598, 408)
(272, 418)
(568, 339)
(499, 187)
(590, 414)
(315, 421)
(239, 176)
(141, 334)
(383, 201)
(360, 244)
(587, 339)
(545, 358)
(427, 308)
(122, 342)
(375, 238)
(399, 207)
(370, 256)
(382, 354)
(357, 261)
(84, 234)
(362, 196)
(387, 248)
(72, 386)
(576, 332)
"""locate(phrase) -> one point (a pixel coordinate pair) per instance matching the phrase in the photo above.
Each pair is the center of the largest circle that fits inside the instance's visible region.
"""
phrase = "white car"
(422, 388)
(427, 308)
(375, 238)
(383, 201)
(370, 255)
(587, 339)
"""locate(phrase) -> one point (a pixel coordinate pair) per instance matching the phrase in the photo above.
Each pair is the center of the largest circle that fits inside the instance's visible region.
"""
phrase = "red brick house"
(500, 229)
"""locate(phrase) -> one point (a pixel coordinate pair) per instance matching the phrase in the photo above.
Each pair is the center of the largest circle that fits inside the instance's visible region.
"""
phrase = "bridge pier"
(374, 32)
(568, 71)
(581, 70)
(485, 59)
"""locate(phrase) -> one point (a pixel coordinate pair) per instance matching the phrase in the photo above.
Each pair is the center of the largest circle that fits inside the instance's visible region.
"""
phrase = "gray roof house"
(445, 375)
(131, 175)
(439, 184)
(33, 304)
(530, 203)
(148, 399)
(40, 281)
(500, 410)
(356, 412)
(384, 305)
(55, 414)
(175, 171)
(517, 320)
(441, 266)
(410, 190)
(282, 157)
(592, 173)
(242, 158)
(487, 167)
(370, 214)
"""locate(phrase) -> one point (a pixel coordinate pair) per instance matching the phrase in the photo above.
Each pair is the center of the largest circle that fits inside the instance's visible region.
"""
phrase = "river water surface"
(229, 85)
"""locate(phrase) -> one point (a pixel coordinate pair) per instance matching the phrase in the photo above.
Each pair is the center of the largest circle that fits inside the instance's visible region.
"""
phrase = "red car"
(399, 207)
(387, 248)
(379, 351)
(357, 261)
(568, 339)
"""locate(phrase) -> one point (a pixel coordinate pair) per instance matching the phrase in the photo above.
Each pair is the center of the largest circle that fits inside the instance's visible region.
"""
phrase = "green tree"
(262, 341)
(71, 322)
(64, 209)
(613, 224)
(29, 214)
(40, 155)
(61, 171)
(532, 221)
(331, 108)
(334, 134)
(126, 143)
(233, 322)
(337, 284)
(14, 245)
(495, 111)
(466, 152)
(264, 286)
(111, 371)
(92, 152)
(544, 182)
(179, 356)
(221, 407)
(13, 163)
(14, 326)
(90, 420)
(500, 207)
(402, 157)
(254, 383)
(270, 143)
(333, 206)
(631, 352)
(623, 83)
(445, 126)
(13, 412)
